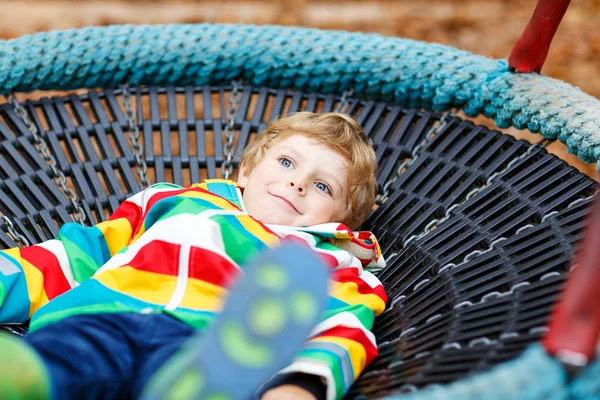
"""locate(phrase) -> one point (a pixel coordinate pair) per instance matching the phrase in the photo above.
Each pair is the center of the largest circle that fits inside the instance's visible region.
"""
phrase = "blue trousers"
(107, 355)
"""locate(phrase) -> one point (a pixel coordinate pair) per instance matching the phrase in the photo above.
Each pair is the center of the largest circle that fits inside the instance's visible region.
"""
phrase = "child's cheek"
(325, 211)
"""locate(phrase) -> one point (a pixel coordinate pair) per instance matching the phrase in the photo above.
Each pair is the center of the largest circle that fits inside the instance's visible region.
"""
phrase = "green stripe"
(197, 320)
(326, 245)
(123, 250)
(239, 244)
(45, 319)
(175, 205)
(364, 314)
(3, 292)
(332, 365)
(82, 265)
(166, 185)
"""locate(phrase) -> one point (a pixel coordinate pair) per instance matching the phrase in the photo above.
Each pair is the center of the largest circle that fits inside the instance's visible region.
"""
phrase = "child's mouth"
(286, 202)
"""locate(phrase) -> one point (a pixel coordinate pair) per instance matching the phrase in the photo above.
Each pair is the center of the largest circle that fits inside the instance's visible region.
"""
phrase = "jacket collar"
(362, 244)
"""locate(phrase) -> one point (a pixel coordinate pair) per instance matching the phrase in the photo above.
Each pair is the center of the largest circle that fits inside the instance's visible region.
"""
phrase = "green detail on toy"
(188, 386)
(242, 349)
(217, 396)
(23, 374)
(273, 277)
(304, 307)
(267, 317)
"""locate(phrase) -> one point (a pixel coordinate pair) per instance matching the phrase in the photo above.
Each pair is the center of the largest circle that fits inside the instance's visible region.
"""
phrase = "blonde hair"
(342, 134)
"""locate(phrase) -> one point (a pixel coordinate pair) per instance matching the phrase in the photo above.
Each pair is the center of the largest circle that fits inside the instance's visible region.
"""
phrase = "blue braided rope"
(532, 376)
(401, 71)
(587, 385)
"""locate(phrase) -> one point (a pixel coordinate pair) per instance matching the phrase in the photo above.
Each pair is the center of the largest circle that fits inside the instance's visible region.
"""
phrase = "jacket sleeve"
(342, 344)
(34, 275)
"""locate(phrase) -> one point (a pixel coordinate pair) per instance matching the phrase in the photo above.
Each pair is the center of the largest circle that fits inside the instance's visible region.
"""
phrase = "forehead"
(311, 149)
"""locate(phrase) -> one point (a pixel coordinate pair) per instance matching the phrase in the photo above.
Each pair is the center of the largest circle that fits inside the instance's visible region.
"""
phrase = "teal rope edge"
(532, 376)
(400, 71)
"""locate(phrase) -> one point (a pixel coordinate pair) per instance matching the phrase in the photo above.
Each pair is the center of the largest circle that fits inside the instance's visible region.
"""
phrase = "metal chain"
(436, 222)
(133, 132)
(10, 229)
(344, 103)
(42, 147)
(229, 131)
(435, 129)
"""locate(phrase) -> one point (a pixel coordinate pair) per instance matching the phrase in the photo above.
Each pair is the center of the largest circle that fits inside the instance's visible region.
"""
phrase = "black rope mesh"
(472, 292)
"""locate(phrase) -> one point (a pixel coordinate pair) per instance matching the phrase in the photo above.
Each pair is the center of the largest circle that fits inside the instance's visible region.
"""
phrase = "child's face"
(299, 182)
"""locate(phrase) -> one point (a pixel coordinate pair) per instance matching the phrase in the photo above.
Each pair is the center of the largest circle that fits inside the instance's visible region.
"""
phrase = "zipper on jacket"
(182, 278)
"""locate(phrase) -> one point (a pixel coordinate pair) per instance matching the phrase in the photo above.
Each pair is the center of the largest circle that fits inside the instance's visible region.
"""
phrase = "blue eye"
(322, 187)
(285, 162)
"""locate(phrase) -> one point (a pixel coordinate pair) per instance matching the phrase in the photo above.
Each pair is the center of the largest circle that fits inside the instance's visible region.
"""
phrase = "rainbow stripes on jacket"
(175, 250)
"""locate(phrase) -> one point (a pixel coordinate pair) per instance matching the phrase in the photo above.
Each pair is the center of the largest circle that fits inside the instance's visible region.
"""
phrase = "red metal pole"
(575, 323)
(530, 51)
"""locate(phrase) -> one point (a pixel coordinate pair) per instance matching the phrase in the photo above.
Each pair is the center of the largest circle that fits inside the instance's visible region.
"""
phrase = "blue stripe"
(89, 239)
(93, 292)
(13, 289)
(168, 206)
(333, 307)
(320, 347)
(88, 293)
(225, 190)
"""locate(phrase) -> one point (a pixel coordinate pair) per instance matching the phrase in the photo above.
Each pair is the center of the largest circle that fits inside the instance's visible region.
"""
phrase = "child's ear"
(242, 179)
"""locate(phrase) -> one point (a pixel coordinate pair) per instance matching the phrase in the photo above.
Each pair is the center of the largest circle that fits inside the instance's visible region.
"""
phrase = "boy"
(136, 286)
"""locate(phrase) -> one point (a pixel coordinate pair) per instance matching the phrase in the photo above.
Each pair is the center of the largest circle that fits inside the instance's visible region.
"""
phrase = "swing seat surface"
(478, 230)
(473, 292)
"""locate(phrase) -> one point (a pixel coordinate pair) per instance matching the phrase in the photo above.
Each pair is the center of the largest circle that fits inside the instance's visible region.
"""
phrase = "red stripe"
(362, 244)
(163, 258)
(351, 275)
(55, 282)
(128, 210)
(211, 267)
(159, 257)
(345, 229)
(328, 259)
(131, 212)
(356, 334)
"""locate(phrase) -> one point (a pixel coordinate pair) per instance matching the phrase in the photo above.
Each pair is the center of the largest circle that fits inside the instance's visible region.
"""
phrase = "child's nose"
(298, 185)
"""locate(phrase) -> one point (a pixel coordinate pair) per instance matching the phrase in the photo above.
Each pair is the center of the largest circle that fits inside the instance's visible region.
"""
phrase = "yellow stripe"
(348, 293)
(116, 233)
(143, 285)
(256, 229)
(34, 280)
(140, 232)
(205, 183)
(358, 354)
(201, 295)
(213, 198)
(341, 235)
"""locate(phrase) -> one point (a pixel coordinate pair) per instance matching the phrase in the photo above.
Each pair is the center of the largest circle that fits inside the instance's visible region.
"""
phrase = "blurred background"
(485, 27)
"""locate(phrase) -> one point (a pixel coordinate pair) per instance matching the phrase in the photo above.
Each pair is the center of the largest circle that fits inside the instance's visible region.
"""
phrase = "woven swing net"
(478, 228)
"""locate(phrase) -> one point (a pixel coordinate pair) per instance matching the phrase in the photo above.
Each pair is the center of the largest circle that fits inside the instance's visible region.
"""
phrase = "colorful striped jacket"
(174, 250)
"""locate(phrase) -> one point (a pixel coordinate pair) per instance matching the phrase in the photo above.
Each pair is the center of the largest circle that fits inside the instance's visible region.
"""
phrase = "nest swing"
(478, 228)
